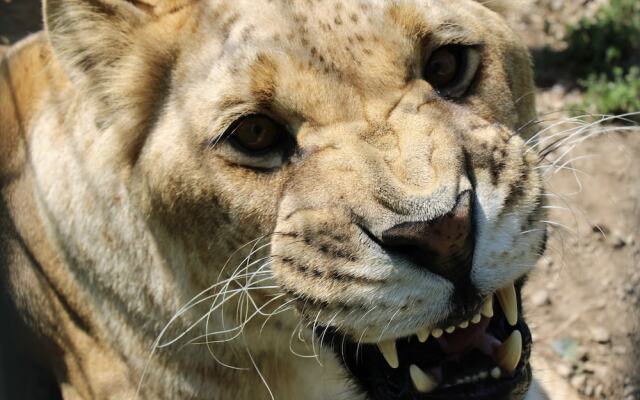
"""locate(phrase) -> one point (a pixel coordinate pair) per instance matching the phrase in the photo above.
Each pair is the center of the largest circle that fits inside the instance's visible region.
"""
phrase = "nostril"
(443, 245)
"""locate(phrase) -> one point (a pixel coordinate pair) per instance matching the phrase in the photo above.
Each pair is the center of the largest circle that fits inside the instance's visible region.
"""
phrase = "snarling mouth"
(482, 357)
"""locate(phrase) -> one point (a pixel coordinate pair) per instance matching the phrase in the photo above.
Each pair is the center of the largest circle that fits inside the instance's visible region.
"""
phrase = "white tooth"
(476, 318)
(423, 382)
(483, 375)
(389, 352)
(487, 307)
(495, 373)
(507, 300)
(436, 333)
(423, 335)
(464, 324)
(508, 354)
(450, 329)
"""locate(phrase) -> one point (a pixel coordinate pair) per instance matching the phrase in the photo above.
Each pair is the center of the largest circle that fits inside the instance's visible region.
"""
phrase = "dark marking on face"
(227, 25)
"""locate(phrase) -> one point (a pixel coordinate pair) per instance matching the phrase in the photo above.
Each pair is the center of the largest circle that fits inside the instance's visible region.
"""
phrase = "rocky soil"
(583, 300)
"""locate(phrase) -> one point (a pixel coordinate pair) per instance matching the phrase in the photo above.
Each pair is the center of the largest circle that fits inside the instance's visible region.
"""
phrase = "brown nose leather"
(443, 245)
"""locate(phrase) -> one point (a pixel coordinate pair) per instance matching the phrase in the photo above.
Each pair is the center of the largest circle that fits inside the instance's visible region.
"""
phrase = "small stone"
(620, 350)
(564, 370)
(618, 242)
(582, 354)
(630, 390)
(540, 298)
(598, 391)
(588, 389)
(545, 263)
(600, 335)
(601, 230)
(578, 381)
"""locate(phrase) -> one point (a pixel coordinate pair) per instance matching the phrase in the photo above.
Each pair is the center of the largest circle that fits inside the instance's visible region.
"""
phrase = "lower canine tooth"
(487, 307)
(509, 353)
(507, 300)
(423, 335)
(423, 382)
(389, 352)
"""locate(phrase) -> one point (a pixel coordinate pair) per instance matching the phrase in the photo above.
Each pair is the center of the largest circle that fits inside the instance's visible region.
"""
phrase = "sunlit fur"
(117, 211)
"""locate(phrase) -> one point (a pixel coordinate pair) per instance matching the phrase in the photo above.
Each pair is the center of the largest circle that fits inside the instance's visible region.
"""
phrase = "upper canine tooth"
(389, 352)
(422, 334)
(423, 382)
(508, 353)
(507, 300)
(436, 333)
(450, 329)
(487, 307)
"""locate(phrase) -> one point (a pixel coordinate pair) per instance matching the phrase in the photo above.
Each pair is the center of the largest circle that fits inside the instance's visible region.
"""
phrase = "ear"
(119, 55)
(506, 7)
(89, 36)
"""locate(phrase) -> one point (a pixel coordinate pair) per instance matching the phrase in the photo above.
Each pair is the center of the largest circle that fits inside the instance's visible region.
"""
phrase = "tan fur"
(115, 213)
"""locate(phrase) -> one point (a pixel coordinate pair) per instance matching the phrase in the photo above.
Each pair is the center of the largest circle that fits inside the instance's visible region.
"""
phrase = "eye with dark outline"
(450, 69)
(257, 134)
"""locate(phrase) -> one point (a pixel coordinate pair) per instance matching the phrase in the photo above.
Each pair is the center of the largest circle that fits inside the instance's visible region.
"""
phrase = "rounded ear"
(506, 7)
(119, 55)
(89, 36)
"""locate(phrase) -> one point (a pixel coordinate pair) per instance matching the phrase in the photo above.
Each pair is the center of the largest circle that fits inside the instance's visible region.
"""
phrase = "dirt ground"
(583, 300)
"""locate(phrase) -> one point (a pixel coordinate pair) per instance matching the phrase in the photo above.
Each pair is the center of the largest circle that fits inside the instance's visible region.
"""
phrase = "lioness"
(286, 199)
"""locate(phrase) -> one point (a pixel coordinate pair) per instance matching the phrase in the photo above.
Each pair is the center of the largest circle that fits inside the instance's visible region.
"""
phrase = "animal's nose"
(443, 245)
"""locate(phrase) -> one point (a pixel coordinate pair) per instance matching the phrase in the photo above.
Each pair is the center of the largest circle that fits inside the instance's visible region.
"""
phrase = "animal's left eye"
(256, 134)
(451, 69)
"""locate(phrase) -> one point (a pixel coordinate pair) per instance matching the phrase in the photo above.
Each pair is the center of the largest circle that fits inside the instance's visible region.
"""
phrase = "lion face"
(377, 144)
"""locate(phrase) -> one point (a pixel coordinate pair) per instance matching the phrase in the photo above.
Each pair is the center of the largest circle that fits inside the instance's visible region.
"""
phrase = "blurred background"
(583, 299)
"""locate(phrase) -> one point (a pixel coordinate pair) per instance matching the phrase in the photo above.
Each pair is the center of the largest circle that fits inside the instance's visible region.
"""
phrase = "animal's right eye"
(256, 134)
(451, 69)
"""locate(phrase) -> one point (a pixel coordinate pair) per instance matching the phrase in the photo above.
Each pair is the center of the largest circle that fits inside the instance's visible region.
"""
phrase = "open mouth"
(484, 356)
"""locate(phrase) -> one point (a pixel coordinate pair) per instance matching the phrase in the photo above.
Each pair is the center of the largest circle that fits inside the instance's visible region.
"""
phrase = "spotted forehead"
(324, 60)
(341, 36)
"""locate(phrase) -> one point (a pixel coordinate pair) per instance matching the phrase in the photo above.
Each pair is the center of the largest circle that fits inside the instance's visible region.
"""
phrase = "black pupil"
(256, 133)
(442, 68)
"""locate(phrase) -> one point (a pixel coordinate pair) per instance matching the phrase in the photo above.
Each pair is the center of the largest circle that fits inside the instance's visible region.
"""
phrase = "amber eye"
(256, 134)
(451, 69)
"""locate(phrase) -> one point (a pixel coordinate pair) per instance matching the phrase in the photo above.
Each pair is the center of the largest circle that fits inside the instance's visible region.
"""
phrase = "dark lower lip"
(380, 382)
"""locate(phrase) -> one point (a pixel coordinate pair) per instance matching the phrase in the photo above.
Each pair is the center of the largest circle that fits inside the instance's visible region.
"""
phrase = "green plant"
(604, 51)
(610, 38)
(618, 94)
